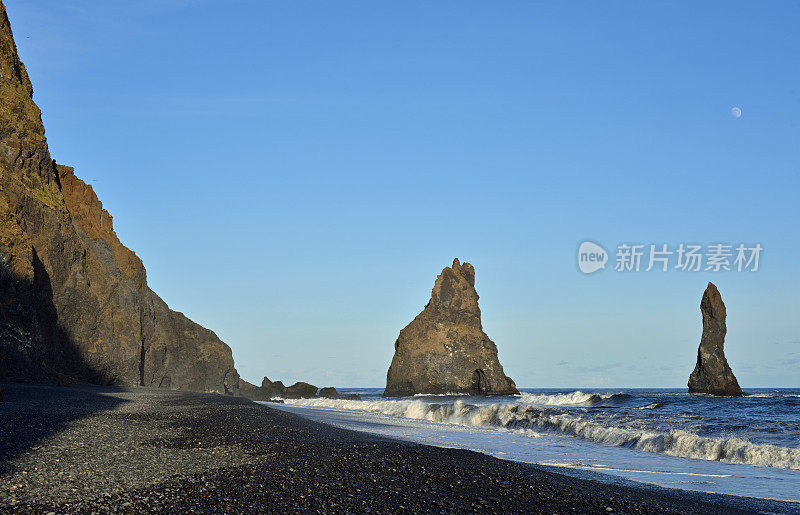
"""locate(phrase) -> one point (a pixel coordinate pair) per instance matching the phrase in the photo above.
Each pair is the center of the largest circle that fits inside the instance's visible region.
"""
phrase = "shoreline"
(643, 437)
(85, 449)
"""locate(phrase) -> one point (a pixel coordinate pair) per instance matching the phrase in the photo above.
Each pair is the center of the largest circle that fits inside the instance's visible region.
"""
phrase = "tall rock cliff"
(712, 374)
(74, 301)
(444, 349)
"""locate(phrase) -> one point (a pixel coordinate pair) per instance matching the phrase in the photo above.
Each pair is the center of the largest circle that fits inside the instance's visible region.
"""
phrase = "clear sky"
(295, 174)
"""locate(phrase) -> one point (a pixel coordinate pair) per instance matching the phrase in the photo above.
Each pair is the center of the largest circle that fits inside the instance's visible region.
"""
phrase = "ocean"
(748, 446)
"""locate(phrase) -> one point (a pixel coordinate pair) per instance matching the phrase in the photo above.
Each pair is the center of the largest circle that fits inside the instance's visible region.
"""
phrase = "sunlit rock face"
(444, 349)
(74, 301)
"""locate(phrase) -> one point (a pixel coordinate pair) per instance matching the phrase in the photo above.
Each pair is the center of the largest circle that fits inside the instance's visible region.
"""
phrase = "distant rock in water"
(329, 393)
(300, 390)
(444, 349)
(74, 301)
(712, 374)
(272, 389)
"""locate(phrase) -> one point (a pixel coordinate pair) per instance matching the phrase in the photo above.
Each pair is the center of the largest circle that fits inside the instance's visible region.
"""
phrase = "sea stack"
(444, 349)
(712, 375)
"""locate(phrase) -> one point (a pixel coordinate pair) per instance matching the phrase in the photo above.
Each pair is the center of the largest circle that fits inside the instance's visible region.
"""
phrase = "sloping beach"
(92, 449)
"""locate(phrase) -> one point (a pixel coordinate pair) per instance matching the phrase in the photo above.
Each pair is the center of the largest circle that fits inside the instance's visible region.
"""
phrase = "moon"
(736, 112)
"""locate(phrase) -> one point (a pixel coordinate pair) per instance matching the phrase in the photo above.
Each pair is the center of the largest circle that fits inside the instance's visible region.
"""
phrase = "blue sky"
(295, 174)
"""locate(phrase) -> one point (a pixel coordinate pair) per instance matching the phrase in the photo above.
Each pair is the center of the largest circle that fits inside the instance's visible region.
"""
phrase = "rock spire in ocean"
(444, 349)
(712, 374)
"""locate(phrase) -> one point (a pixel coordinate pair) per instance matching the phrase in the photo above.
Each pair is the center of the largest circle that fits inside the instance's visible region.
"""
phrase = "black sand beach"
(92, 449)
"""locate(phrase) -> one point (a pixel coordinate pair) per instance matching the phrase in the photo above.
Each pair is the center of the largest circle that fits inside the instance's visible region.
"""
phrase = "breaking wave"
(576, 398)
(678, 442)
(532, 418)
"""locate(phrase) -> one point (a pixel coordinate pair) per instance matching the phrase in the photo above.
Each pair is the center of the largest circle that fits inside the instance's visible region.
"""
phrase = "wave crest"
(532, 418)
(576, 398)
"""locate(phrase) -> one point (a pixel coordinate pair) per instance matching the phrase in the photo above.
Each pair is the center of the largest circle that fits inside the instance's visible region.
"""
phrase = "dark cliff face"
(444, 349)
(74, 301)
(712, 374)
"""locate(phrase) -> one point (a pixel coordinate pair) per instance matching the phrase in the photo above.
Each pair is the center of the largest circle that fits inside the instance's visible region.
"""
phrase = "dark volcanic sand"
(141, 450)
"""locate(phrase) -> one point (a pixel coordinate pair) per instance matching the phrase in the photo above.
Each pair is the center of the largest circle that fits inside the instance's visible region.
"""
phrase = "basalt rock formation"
(249, 390)
(712, 374)
(300, 390)
(444, 349)
(326, 393)
(74, 301)
(273, 389)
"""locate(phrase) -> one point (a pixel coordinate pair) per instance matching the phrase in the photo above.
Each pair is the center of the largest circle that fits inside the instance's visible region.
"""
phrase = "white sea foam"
(651, 406)
(576, 398)
(616, 469)
(675, 443)
(449, 394)
(530, 418)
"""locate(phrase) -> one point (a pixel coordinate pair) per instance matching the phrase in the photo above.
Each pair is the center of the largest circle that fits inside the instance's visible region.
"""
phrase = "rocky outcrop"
(247, 389)
(712, 374)
(74, 301)
(273, 388)
(300, 390)
(329, 393)
(444, 349)
(276, 389)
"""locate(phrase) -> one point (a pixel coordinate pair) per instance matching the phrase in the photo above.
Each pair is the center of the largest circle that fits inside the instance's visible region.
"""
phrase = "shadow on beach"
(30, 414)
(34, 349)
